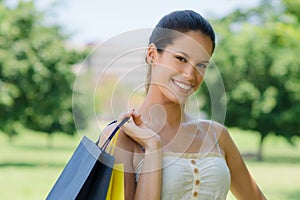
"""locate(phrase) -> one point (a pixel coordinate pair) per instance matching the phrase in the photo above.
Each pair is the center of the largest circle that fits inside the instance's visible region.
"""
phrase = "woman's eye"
(182, 59)
(204, 66)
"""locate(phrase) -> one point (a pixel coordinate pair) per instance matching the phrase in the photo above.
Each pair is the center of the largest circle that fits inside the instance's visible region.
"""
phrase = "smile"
(182, 85)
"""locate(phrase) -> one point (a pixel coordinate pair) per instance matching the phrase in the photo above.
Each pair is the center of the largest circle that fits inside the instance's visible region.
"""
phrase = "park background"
(43, 47)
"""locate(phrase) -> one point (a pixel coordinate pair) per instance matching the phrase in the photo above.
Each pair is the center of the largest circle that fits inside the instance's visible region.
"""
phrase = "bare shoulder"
(211, 126)
(123, 141)
(216, 127)
(221, 132)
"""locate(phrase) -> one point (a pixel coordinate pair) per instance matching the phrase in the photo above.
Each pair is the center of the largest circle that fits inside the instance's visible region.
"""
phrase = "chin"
(179, 100)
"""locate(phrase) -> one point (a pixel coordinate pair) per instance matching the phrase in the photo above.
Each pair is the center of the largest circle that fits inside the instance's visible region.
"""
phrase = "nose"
(189, 73)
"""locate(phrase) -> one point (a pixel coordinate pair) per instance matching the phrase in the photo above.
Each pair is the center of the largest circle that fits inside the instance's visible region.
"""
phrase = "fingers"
(125, 115)
(134, 122)
(133, 115)
(137, 118)
(136, 129)
(142, 135)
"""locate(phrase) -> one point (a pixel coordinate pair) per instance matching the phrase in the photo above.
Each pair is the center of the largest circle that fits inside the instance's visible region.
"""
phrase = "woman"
(168, 154)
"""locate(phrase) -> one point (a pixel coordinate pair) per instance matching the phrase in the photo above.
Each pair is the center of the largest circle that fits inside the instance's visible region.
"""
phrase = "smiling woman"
(183, 63)
(185, 60)
(168, 154)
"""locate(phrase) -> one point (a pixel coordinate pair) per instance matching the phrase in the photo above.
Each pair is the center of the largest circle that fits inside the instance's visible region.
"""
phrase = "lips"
(182, 85)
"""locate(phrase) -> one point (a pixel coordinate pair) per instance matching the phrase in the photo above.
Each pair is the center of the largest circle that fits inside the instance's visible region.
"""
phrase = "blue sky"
(96, 20)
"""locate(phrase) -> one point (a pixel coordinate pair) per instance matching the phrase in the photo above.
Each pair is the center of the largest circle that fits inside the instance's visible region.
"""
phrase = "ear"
(152, 53)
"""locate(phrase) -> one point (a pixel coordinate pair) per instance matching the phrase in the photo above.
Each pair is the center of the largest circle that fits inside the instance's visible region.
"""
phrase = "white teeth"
(183, 86)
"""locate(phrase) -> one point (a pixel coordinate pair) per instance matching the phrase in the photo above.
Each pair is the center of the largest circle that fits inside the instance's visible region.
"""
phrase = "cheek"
(162, 72)
(200, 77)
(159, 76)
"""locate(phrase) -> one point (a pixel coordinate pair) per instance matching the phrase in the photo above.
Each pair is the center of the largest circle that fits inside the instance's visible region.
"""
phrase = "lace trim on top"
(193, 155)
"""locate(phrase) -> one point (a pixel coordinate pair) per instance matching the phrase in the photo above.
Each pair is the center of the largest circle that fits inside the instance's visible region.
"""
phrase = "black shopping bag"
(87, 174)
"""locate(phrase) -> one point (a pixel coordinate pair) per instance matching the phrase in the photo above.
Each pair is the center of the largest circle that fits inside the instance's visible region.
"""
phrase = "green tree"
(35, 72)
(257, 54)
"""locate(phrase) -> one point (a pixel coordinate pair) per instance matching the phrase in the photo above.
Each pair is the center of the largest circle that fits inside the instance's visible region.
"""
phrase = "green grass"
(28, 169)
(278, 175)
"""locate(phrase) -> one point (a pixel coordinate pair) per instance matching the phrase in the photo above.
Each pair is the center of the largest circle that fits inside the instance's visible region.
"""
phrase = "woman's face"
(179, 69)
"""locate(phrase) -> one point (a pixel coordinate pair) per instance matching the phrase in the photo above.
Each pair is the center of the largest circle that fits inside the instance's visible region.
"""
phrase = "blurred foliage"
(35, 72)
(258, 56)
(110, 97)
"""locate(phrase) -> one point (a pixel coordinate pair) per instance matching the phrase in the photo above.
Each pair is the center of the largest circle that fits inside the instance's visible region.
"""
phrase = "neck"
(156, 112)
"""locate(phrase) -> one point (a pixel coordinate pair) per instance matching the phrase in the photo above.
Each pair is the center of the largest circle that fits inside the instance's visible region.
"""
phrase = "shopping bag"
(116, 185)
(88, 173)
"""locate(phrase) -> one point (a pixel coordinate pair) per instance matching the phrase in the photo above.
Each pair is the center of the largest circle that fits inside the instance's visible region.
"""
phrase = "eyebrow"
(182, 53)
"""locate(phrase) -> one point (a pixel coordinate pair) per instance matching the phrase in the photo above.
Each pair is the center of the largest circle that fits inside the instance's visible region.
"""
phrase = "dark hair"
(164, 32)
(170, 26)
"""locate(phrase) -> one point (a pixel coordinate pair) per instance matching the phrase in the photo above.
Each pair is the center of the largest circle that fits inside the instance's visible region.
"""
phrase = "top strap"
(216, 140)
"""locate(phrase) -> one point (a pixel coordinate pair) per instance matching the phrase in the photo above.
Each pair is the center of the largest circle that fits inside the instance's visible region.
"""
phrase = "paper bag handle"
(104, 146)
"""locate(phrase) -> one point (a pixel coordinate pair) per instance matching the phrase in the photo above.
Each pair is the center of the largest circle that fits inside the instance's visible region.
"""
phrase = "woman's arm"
(149, 183)
(132, 136)
(243, 185)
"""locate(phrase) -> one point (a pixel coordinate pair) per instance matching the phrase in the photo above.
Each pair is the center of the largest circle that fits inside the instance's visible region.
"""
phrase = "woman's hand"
(136, 129)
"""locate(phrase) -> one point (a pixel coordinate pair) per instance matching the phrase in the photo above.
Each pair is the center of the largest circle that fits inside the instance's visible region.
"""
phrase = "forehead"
(194, 44)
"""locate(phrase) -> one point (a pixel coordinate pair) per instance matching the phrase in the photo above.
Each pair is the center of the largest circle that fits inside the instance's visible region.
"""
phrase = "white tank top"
(193, 176)
(204, 176)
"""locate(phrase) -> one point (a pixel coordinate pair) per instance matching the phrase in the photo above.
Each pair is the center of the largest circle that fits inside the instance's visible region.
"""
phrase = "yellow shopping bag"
(116, 185)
